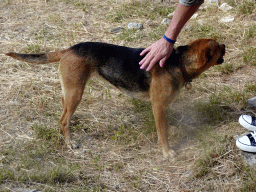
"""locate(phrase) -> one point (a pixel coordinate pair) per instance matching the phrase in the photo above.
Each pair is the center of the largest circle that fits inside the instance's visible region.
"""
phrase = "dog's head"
(200, 55)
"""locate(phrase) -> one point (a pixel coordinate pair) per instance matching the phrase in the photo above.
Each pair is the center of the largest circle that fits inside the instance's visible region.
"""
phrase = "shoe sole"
(243, 147)
(246, 125)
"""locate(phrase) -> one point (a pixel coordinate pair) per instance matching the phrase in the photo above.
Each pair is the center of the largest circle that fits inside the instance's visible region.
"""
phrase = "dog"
(119, 66)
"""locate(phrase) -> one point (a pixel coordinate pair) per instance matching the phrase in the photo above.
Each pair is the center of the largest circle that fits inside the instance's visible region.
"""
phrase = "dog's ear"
(181, 49)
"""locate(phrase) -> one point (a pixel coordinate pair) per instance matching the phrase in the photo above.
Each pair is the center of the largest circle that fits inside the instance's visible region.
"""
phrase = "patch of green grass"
(205, 31)
(43, 35)
(229, 97)
(157, 33)
(51, 135)
(251, 31)
(212, 113)
(145, 108)
(226, 68)
(125, 135)
(163, 10)
(249, 178)
(33, 48)
(37, 163)
(130, 35)
(250, 87)
(221, 106)
(219, 148)
(249, 55)
(215, 147)
(145, 10)
(246, 7)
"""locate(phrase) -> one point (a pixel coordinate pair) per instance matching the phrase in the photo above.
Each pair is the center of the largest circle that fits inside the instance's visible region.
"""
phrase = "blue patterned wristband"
(169, 40)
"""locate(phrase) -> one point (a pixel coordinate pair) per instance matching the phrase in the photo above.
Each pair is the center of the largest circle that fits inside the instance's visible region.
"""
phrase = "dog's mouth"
(220, 60)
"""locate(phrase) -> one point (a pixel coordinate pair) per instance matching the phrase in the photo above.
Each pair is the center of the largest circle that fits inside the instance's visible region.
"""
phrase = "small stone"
(201, 22)
(24, 190)
(150, 23)
(251, 102)
(214, 2)
(225, 7)
(170, 15)
(135, 26)
(116, 30)
(226, 19)
(166, 21)
(194, 16)
(187, 27)
(249, 158)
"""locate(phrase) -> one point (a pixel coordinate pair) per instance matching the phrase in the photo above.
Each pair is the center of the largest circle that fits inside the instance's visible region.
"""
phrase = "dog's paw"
(169, 153)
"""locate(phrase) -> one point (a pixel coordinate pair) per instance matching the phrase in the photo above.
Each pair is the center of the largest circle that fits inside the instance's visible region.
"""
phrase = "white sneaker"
(247, 142)
(248, 122)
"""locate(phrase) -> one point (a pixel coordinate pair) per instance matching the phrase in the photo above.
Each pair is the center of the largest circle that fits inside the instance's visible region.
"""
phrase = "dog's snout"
(223, 48)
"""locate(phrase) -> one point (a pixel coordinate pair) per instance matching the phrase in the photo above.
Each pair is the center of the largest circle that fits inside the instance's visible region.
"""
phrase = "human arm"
(161, 50)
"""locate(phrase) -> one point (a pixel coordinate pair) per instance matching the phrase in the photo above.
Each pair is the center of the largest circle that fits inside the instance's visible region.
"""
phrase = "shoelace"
(253, 121)
(252, 137)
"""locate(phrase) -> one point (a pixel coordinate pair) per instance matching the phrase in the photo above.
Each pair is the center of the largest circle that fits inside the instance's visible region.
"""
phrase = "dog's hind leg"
(73, 76)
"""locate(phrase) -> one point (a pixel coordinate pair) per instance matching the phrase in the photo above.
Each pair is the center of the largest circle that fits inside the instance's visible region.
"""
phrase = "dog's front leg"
(162, 127)
(161, 94)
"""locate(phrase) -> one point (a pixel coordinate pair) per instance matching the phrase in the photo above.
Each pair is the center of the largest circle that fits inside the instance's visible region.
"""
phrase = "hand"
(160, 51)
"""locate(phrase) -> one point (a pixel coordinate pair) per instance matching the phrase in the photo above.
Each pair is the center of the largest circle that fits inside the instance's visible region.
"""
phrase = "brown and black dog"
(119, 65)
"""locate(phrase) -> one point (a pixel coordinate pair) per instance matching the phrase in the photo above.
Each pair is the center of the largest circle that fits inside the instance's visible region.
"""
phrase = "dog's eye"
(208, 56)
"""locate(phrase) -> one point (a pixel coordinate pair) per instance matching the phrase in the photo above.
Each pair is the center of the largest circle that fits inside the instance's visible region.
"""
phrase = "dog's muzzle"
(223, 51)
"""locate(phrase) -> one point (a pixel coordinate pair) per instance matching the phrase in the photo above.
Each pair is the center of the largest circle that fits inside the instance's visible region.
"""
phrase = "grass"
(246, 7)
(218, 150)
(130, 35)
(39, 163)
(249, 56)
(117, 136)
(48, 134)
(141, 10)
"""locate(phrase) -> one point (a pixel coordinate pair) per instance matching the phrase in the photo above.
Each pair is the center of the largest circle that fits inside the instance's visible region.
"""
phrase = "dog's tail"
(39, 58)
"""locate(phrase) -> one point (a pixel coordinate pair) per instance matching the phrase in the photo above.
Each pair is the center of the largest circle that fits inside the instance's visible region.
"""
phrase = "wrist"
(169, 40)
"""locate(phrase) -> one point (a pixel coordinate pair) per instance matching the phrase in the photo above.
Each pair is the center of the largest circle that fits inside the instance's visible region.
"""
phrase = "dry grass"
(119, 144)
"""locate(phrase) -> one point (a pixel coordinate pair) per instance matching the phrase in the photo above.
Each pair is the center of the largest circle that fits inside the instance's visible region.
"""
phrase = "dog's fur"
(119, 65)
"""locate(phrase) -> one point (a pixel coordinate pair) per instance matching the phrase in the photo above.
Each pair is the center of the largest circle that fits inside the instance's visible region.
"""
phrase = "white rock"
(135, 26)
(212, 2)
(166, 21)
(194, 16)
(170, 15)
(150, 23)
(251, 102)
(227, 19)
(225, 7)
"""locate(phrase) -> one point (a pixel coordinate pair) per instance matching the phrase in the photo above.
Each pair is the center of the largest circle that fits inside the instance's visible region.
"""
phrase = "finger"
(162, 61)
(152, 63)
(146, 60)
(145, 51)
